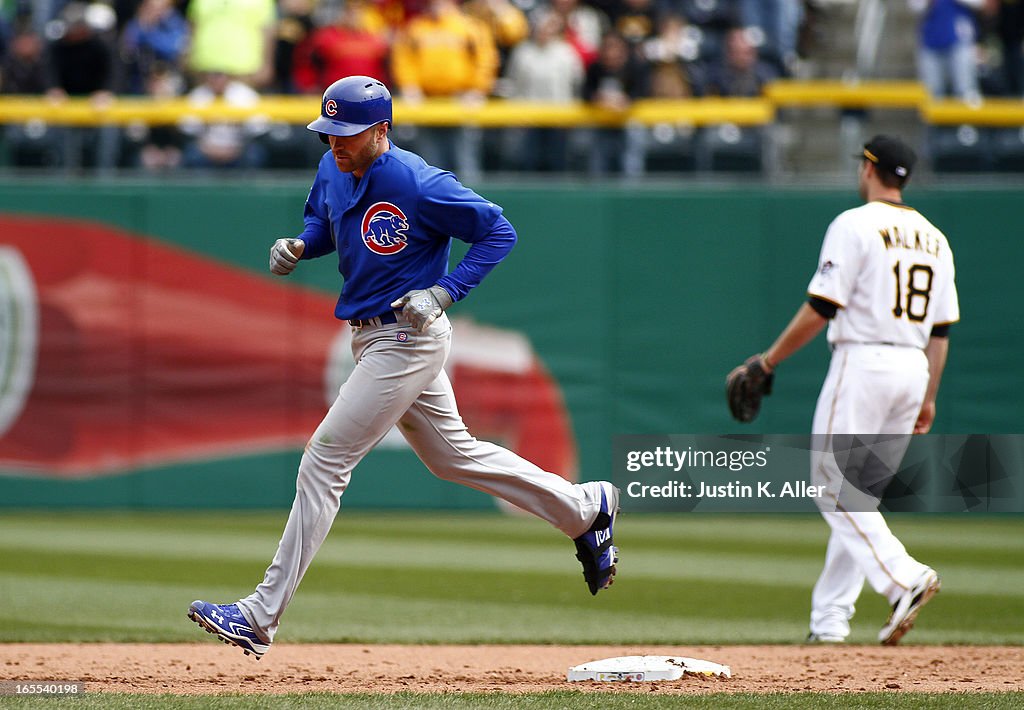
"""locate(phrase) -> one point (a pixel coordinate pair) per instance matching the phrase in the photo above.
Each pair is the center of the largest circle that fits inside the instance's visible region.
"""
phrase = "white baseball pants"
(869, 389)
(399, 378)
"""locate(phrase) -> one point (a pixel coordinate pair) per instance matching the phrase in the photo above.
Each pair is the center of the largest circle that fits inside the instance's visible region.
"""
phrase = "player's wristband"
(768, 363)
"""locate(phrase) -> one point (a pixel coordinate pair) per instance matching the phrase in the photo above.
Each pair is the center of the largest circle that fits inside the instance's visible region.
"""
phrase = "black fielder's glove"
(746, 386)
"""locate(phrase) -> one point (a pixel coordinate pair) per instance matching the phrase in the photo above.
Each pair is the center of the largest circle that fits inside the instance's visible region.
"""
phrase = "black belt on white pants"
(385, 319)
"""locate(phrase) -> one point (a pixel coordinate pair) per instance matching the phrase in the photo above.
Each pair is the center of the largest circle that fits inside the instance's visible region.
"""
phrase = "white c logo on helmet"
(331, 107)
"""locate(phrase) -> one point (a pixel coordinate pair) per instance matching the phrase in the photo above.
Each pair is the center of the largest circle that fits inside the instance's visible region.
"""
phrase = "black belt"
(385, 319)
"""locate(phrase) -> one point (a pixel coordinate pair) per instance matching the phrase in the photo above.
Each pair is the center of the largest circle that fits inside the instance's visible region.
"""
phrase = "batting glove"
(423, 306)
(284, 255)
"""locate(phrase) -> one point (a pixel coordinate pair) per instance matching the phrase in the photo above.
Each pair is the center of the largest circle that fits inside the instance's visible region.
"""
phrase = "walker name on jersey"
(384, 229)
(897, 238)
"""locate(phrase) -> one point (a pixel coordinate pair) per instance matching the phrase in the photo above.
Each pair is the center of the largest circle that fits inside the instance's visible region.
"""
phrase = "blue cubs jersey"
(392, 231)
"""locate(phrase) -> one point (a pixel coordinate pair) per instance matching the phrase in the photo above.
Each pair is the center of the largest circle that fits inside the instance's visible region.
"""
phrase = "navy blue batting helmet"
(351, 105)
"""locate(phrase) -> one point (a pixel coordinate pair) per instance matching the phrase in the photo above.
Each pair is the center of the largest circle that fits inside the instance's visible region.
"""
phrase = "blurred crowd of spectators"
(609, 52)
(606, 51)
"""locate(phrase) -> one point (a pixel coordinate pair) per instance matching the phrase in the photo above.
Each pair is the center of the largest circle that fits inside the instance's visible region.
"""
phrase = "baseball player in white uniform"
(389, 218)
(885, 288)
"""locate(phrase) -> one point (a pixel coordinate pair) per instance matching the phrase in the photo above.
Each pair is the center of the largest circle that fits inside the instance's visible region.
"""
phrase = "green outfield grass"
(684, 579)
(535, 701)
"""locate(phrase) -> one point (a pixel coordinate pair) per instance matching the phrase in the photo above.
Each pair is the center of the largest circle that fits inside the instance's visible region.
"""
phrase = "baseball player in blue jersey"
(390, 218)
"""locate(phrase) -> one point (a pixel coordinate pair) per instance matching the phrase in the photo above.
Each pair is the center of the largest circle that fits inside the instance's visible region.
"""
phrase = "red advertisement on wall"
(119, 352)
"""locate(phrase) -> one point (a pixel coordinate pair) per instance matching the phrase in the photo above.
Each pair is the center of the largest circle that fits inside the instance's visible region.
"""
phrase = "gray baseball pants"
(399, 378)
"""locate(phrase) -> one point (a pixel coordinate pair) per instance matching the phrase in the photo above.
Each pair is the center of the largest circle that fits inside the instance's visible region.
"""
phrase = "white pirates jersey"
(890, 272)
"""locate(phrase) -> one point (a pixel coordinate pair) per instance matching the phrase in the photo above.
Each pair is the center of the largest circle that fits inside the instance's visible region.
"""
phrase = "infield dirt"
(210, 667)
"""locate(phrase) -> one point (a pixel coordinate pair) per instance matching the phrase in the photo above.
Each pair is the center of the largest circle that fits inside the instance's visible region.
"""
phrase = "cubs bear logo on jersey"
(384, 229)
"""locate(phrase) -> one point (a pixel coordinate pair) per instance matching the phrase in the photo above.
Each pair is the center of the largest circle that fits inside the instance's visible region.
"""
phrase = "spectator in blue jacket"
(946, 55)
(158, 34)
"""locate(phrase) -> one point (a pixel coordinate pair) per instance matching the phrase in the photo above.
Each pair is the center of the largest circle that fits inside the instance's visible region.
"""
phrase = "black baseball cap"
(891, 154)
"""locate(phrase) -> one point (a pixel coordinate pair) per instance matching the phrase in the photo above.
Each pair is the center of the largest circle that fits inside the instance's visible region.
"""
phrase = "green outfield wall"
(637, 300)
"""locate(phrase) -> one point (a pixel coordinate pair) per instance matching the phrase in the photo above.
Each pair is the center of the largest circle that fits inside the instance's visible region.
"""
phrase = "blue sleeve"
(450, 209)
(317, 232)
(482, 256)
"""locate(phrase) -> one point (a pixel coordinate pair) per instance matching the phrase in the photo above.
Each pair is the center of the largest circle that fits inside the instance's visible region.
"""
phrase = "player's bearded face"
(354, 154)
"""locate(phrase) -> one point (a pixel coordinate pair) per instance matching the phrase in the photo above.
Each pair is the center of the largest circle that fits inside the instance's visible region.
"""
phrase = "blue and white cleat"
(594, 548)
(227, 622)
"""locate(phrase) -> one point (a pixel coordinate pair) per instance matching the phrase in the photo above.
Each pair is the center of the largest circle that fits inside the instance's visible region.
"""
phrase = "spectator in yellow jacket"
(445, 53)
(508, 24)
